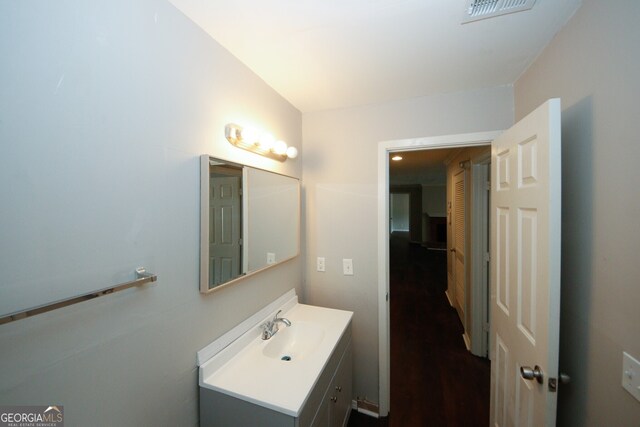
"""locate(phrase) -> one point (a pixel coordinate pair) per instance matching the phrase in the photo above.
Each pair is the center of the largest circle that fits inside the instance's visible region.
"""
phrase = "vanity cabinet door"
(336, 403)
(340, 391)
(323, 416)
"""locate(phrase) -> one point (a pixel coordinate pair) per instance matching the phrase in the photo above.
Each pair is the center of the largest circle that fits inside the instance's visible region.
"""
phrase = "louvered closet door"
(459, 228)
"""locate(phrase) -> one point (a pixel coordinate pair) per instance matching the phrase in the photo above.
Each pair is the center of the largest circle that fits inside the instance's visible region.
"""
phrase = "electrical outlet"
(271, 258)
(320, 264)
(631, 375)
(347, 267)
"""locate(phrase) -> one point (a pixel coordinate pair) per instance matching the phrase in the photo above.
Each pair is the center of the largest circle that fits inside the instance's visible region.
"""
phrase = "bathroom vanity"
(299, 377)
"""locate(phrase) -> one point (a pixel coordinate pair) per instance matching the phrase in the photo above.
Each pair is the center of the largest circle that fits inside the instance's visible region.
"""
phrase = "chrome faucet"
(271, 327)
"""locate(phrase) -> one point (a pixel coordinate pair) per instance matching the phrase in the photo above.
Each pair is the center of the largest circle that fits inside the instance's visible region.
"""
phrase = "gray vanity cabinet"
(336, 405)
(328, 403)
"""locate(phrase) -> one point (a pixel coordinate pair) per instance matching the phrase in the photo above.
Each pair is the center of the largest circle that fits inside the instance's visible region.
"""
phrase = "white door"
(459, 228)
(525, 269)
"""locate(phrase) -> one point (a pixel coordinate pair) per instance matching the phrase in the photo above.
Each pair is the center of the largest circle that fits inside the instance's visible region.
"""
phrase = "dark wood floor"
(435, 381)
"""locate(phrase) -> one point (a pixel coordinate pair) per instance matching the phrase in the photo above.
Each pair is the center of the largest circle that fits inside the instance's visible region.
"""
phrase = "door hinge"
(488, 185)
(487, 257)
(485, 327)
(387, 296)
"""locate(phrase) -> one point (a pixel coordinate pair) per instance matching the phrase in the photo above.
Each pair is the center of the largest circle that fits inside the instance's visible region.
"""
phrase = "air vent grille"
(482, 9)
(512, 4)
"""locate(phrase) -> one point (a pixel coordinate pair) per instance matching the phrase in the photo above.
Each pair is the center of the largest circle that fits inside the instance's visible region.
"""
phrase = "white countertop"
(242, 370)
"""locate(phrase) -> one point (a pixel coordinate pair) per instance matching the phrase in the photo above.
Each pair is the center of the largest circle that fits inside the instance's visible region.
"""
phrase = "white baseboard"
(448, 297)
(354, 405)
(467, 342)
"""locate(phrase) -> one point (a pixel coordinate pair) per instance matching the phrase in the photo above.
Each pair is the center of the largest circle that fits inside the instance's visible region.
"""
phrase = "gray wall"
(593, 65)
(105, 107)
(341, 202)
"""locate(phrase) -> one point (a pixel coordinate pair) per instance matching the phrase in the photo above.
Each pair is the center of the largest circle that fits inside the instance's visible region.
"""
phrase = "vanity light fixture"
(264, 144)
(396, 158)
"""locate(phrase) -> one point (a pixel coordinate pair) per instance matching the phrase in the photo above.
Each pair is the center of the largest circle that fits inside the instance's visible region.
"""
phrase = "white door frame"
(384, 148)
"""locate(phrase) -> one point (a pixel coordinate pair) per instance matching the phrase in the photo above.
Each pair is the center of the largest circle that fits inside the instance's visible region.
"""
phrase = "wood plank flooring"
(435, 381)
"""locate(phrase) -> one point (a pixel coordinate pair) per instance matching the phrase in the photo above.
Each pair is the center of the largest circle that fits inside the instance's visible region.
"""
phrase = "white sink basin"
(251, 368)
(294, 342)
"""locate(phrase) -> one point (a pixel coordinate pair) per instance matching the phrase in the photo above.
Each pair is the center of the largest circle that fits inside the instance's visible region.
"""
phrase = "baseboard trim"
(467, 342)
(446, 293)
(365, 407)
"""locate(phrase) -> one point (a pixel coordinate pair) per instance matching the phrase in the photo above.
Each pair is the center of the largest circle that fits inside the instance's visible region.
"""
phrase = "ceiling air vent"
(482, 9)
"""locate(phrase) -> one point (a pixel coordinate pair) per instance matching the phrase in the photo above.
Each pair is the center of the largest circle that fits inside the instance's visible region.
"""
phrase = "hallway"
(435, 381)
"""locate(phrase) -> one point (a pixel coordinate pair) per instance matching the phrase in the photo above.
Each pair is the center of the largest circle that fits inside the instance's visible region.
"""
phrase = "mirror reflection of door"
(225, 216)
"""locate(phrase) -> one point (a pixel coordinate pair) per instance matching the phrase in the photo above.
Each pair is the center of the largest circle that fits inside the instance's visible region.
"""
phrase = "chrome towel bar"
(142, 277)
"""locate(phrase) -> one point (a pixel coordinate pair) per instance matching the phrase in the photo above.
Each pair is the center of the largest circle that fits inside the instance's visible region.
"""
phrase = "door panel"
(525, 270)
(502, 259)
(500, 370)
(527, 284)
(524, 399)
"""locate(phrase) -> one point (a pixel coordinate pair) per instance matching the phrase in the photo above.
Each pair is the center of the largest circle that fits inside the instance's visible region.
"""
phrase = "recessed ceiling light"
(396, 158)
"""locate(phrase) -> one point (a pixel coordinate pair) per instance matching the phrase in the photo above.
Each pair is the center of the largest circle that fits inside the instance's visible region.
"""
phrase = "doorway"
(451, 141)
(525, 262)
(430, 332)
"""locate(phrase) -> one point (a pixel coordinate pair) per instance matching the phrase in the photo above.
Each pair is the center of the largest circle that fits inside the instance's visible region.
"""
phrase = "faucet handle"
(276, 316)
(267, 330)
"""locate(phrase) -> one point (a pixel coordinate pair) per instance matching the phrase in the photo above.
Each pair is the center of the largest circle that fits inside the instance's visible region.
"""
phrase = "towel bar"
(142, 277)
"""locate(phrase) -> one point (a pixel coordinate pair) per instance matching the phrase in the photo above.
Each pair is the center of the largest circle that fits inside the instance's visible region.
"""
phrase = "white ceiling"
(327, 54)
(421, 166)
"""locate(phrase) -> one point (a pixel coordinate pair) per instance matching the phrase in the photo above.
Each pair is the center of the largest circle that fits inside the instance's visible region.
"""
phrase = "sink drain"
(286, 358)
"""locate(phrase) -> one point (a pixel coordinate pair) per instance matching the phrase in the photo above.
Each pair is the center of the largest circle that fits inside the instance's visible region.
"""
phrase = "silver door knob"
(532, 374)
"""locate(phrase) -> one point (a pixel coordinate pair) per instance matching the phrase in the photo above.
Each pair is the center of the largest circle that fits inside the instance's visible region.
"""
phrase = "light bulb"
(266, 141)
(292, 152)
(280, 148)
(233, 133)
(249, 135)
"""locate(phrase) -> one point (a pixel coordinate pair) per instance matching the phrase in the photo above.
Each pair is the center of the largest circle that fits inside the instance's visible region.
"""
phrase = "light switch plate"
(320, 264)
(271, 258)
(631, 375)
(347, 267)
